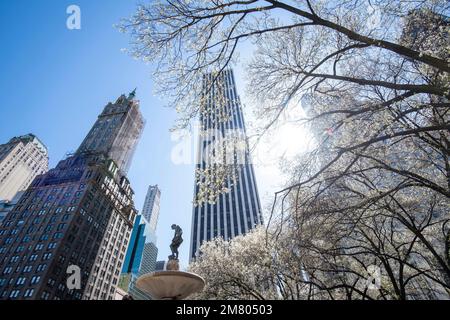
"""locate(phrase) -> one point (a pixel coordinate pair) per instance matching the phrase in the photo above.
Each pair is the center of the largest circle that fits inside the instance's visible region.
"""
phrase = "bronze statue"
(176, 242)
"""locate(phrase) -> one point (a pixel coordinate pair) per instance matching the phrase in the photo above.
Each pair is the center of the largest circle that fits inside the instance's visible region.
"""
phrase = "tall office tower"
(151, 213)
(116, 132)
(74, 222)
(142, 252)
(151, 207)
(134, 258)
(149, 257)
(21, 160)
(237, 211)
(135, 249)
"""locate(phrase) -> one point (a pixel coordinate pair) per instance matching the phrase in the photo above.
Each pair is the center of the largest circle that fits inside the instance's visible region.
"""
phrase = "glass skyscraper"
(133, 257)
(142, 251)
(238, 210)
(151, 213)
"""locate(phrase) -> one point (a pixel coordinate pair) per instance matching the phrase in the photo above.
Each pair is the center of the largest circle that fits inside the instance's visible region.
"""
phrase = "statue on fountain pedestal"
(171, 284)
(176, 242)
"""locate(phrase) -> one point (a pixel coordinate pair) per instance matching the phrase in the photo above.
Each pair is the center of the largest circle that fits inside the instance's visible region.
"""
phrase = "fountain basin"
(170, 285)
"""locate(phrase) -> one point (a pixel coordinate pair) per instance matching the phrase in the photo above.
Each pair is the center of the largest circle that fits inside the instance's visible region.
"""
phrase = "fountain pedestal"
(171, 284)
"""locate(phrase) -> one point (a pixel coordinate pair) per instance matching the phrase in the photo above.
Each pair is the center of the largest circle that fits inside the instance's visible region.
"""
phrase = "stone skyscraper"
(77, 216)
(237, 211)
(21, 160)
(116, 132)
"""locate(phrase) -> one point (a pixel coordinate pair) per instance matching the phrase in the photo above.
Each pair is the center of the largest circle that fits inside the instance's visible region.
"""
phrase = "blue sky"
(54, 82)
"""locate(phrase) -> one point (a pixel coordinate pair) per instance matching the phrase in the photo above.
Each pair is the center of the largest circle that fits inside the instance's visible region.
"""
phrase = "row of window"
(14, 294)
(32, 258)
(40, 213)
(21, 281)
(40, 194)
(32, 228)
(43, 237)
(38, 247)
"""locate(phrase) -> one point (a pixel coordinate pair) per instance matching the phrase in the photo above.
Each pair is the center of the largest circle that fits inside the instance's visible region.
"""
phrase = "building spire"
(132, 94)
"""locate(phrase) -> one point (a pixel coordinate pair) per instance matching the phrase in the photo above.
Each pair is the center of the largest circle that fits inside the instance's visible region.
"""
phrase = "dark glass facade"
(238, 210)
(133, 257)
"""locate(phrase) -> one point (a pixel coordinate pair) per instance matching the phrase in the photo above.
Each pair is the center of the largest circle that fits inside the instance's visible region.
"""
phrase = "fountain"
(171, 284)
